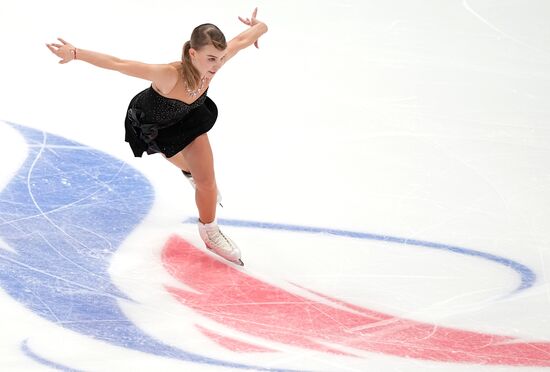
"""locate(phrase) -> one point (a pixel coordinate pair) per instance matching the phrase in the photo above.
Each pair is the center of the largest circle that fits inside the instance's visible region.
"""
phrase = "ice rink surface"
(385, 167)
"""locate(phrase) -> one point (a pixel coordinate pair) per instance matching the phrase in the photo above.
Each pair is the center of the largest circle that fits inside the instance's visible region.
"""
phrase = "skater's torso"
(167, 123)
(161, 108)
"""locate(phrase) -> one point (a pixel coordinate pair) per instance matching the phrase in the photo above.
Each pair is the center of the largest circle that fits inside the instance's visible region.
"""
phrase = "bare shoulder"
(168, 78)
(172, 68)
(176, 65)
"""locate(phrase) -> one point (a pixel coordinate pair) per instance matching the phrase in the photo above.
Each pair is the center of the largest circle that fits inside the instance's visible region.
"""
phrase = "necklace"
(194, 93)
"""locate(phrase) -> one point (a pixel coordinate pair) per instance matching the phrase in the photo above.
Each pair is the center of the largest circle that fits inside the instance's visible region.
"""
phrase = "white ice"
(420, 119)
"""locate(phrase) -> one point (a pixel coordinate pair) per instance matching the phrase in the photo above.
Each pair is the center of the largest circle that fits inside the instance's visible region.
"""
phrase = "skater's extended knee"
(206, 184)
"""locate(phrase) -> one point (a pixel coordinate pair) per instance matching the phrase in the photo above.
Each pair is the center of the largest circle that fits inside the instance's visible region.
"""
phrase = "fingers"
(250, 21)
(62, 41)
(245, 21)
(58, 50)
(54, 47)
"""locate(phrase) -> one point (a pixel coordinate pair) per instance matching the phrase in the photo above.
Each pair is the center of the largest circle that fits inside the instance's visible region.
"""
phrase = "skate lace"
(221, 241)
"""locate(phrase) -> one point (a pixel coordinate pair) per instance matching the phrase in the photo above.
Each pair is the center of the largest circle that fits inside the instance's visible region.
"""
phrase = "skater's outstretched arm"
(246, 38)
(164, 76)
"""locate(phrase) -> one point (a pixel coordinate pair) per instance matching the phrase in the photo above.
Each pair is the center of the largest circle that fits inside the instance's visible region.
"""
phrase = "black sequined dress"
(155, 123)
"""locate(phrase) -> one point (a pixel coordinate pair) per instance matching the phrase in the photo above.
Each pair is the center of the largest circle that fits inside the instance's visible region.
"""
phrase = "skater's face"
(207, 60)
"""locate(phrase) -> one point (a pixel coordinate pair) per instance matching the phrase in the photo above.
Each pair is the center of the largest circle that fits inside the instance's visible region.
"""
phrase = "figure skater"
(174, 114)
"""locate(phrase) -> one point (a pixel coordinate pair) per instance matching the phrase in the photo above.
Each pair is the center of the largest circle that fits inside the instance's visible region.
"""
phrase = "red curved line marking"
(249, 305)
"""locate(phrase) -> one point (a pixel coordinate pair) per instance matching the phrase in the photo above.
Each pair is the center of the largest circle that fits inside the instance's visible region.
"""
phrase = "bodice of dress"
(162, 110)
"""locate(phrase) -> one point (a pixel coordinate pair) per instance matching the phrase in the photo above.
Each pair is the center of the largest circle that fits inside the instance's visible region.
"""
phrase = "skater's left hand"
(251, 22)
(66, 51)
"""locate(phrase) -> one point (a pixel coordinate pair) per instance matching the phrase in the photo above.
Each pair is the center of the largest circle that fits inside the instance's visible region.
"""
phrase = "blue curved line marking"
(528, 277)
(65, 213)
(37, 358)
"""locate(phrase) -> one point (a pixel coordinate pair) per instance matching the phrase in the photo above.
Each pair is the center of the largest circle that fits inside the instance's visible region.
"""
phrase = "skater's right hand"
(251, 22)
(65, 51)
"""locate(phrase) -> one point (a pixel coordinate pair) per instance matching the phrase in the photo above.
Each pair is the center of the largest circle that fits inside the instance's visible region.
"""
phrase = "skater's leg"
(179, 161)
(199, 158)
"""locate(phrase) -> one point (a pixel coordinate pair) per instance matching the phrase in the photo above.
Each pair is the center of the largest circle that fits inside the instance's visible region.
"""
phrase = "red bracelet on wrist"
(74, 53)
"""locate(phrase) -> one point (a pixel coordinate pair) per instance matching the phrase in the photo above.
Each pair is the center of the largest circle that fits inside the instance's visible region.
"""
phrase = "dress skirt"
(168, 137)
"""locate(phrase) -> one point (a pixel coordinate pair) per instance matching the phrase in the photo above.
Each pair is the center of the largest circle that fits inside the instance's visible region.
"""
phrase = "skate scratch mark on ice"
(6, 247)
(49, 147)
(499, 31)
(528, 277)
(258, 308)
(57, 278)
(100, 237)
(45, 270)
(419, 312)
(31, 194)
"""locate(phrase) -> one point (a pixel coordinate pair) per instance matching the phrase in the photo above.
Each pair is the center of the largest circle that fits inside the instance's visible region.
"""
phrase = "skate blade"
(237, 262)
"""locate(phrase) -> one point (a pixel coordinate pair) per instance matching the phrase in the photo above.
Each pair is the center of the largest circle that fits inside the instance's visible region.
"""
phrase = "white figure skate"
(218, 243)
